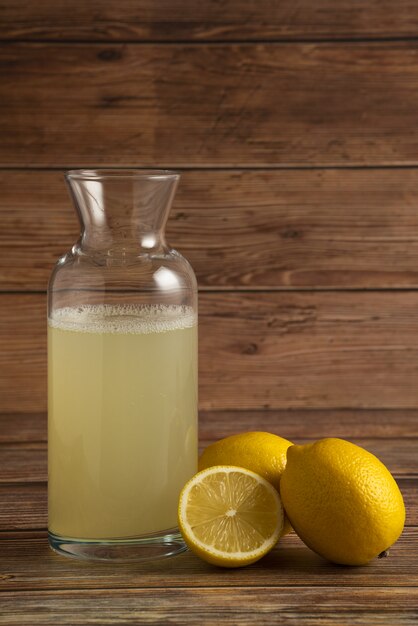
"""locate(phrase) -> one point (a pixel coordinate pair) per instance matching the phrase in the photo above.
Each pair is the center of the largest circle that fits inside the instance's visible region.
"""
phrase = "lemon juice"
(122, 418)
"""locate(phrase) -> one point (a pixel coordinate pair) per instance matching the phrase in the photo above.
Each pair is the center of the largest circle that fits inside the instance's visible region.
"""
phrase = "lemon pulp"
(230, 516)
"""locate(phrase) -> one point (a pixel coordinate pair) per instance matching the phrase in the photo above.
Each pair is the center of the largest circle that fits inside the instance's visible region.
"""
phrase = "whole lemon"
(341, 500)
(262, 453)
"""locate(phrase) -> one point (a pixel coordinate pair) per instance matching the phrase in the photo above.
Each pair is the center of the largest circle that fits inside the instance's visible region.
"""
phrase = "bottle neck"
(121, 240)
(122, 212)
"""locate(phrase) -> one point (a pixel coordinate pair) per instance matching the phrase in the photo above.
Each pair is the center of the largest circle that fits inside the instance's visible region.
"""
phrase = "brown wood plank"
(23, 463)
(308, 350)
(241, 229)
(168, 20)
(292, 424)
(205, 105)
(27, 563)
(262, 350)
(24, 505)
(28, 462)
(23, 427)
(312, 606)
(299, 423)
(23, 353)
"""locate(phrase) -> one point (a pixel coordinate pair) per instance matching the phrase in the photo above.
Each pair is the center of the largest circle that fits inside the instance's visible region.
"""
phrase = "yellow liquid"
(122, 418)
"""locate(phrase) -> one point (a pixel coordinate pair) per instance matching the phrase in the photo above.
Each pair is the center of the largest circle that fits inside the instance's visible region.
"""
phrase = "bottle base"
(156, 546)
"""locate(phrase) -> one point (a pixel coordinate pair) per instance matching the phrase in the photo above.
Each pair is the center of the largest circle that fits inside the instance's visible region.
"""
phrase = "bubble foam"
(123, 318)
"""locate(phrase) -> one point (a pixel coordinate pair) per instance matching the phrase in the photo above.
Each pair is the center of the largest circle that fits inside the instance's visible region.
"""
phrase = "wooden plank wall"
(295, 124)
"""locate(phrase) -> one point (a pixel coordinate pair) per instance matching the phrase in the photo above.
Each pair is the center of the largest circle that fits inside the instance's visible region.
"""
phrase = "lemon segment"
(230, 516)
(259, 452)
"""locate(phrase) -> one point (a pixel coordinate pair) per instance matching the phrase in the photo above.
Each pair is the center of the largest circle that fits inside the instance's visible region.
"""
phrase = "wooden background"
(295, 125)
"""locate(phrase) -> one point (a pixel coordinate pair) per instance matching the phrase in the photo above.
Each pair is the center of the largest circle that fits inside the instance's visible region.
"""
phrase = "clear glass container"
(122, 372)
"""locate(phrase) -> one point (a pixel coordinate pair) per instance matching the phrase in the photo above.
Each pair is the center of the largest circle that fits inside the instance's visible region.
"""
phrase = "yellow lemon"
(341, 500)
(262, 453)
(230, 516)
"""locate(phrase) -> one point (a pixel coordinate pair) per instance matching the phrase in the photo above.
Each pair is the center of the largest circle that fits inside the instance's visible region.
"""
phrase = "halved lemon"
(230, 516)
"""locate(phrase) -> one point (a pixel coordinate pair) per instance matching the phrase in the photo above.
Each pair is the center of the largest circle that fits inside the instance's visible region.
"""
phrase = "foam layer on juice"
(123, 319)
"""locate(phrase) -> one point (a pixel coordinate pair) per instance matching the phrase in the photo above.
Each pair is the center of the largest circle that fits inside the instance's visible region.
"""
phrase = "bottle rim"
(136, 173)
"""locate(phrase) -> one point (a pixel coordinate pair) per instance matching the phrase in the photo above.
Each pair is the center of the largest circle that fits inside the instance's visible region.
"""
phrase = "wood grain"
(23, 463)
(241, 229)
(23, 352)
(264, 350)
(24, 505)
(28, 462)
(293, 424)
(168, 20)
(208, 606)
(209, 105)
(23, 427)
(305, 350)
(27, 563)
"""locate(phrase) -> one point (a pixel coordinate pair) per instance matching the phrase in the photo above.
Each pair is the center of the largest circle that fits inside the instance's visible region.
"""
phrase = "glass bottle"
(122, 372)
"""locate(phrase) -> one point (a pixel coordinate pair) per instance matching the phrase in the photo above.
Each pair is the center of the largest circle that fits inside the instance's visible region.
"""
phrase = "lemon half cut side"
(230, 516)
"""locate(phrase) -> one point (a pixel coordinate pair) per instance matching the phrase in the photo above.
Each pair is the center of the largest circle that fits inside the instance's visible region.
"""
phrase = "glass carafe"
(122, 372)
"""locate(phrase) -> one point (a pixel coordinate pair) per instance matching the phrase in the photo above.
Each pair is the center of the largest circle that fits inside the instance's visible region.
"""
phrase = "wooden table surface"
(292, 585)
